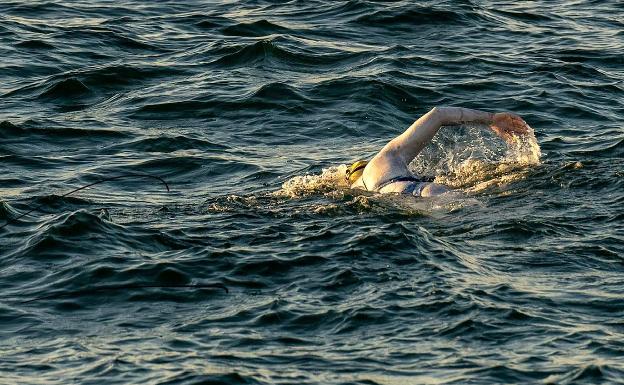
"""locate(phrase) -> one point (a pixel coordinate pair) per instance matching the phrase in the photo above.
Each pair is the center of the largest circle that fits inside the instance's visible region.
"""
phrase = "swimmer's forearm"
(458, 115)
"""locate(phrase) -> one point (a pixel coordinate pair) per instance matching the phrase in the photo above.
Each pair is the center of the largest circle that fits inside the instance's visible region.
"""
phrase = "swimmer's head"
(355, 171)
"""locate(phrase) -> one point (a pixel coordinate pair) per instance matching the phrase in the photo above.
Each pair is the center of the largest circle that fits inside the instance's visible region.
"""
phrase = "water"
(250, 111)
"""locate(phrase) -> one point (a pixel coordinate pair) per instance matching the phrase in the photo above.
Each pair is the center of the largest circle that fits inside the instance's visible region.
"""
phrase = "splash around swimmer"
(388, 171)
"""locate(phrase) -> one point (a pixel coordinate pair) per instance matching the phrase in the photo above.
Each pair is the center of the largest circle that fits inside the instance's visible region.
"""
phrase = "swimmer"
(388, 171)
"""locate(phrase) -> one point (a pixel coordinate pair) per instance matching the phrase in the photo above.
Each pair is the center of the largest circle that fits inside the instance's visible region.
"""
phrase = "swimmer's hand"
(508, 125)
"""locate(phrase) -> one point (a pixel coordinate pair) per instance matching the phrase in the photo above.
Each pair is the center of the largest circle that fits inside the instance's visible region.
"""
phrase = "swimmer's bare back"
(391, 163)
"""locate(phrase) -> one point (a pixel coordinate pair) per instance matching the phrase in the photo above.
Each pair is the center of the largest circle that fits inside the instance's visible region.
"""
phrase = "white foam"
(328, 181)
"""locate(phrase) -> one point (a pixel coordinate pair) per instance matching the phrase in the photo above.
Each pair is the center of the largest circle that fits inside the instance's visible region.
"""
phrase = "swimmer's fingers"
(518, 125)
(507, 125)
(506, 134)
(501, 133)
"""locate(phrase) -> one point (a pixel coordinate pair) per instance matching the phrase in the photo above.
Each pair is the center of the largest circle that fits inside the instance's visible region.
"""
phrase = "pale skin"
(393, 160)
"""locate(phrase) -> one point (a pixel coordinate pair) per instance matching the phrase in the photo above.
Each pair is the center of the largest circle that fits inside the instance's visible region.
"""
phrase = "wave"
(34, 44)
(277, 91)
(29, 128)
(7, 211)
(68, 236)
(587, 372)
(54, 240)
(67, 89)
(411, 18)
(167, 144)
(525, 15)
(610, 149)
(279, 51)
(206, 22)
(276, 95)
(311, 12)
(108, 37)
(255, 29)
(374, 91)
(39, 8)
(90, 82)
(116, 75)
(177, 110)
(269, 267)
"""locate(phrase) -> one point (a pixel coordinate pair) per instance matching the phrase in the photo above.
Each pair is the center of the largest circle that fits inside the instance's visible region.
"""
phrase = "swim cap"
(355, 170)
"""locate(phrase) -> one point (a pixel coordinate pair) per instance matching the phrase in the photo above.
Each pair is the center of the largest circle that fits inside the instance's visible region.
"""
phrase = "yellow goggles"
(355, 167)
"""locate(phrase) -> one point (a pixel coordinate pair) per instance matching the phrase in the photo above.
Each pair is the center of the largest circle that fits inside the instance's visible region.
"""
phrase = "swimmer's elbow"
(439, 114)
(435, 111)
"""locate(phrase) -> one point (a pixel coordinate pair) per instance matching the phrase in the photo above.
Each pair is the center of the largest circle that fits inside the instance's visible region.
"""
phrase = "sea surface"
(260, 266)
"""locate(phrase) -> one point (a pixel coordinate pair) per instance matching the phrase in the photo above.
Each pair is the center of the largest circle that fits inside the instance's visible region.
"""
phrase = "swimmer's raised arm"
(409, 144)
(419, 134)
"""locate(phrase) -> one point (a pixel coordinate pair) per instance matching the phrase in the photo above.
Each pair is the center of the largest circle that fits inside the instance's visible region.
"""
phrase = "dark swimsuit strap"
(404, 179)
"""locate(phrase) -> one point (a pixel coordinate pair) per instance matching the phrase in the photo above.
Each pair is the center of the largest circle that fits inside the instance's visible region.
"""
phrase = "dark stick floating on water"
(14, 220)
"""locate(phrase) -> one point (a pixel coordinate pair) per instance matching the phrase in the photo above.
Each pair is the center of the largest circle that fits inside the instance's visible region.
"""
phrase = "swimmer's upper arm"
(409, 144)
(394, 157)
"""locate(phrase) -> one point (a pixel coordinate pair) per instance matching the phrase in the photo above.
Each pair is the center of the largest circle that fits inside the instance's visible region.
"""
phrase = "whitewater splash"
(329, 179)
(470, 159)
(492, 163)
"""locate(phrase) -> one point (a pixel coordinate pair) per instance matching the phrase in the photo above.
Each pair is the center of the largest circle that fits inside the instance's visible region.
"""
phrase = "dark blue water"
(250, 110)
